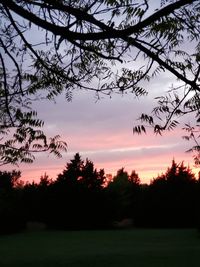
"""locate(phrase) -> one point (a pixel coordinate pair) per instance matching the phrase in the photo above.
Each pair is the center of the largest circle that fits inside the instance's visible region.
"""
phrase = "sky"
(101, 130)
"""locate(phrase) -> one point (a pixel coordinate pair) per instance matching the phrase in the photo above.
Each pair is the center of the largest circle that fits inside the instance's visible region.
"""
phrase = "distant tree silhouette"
(9, 179)
(72, 173)
(90, 177)
(11, 204)
(122, 193)
(31, 201)
(78, 197)
(178, 173)
(82, 173)
(172, 198)
(45, 181)
(134, 178)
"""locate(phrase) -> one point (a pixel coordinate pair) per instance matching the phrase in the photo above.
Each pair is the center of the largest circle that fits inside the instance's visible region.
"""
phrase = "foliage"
(82, 173)
(11, 206)
(101, 46)
(193, 134)
(177, 173)
(76, 197)
(122, 193)
(119, 191)
(8, 180)
(172, 199)
(77, 200)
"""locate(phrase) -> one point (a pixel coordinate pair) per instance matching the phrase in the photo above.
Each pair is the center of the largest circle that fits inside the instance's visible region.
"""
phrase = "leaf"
(139, 129)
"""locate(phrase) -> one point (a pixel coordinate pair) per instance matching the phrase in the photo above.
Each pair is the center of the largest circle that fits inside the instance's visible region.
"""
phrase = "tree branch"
(156, 58)
(6, 90)
(16, 65)
(107, 33)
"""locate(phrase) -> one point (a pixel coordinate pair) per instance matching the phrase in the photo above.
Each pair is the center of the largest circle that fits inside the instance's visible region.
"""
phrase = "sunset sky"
(102, 131)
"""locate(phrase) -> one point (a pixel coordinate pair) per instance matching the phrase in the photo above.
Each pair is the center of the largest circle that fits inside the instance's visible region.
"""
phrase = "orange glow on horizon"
(148, 155)
(146, 172)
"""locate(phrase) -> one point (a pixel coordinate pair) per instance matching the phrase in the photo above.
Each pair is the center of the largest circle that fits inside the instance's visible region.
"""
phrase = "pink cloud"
(102, 132)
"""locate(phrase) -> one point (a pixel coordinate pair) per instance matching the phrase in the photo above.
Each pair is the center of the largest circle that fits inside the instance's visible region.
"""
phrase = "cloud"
(102, 131)
(148, 155)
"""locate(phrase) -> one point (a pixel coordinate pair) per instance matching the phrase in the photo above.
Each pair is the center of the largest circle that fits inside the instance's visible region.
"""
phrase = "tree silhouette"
(77, 196)
(78, 44)
(91, 178)
(11, 203)
(73, 170)
(9, 179)
(122, 192)
(172, 198)
(177, 173)
(82, 173)
(76, 201)
(134, 178)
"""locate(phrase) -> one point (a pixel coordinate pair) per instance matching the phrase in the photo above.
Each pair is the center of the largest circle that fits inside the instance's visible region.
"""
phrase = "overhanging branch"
(107, 33)
(156, 58)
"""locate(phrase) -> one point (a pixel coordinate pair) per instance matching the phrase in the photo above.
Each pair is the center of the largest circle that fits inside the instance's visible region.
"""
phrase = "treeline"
(78, 199)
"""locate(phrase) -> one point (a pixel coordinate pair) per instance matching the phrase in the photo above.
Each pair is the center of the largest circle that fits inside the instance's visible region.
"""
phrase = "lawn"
(124, 248)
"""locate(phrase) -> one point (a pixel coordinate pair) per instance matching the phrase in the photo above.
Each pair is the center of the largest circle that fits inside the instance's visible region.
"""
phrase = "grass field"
(127, 248)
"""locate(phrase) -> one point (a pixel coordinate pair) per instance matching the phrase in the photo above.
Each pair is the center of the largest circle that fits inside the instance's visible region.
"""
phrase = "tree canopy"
(78, 199)
(52, 47)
